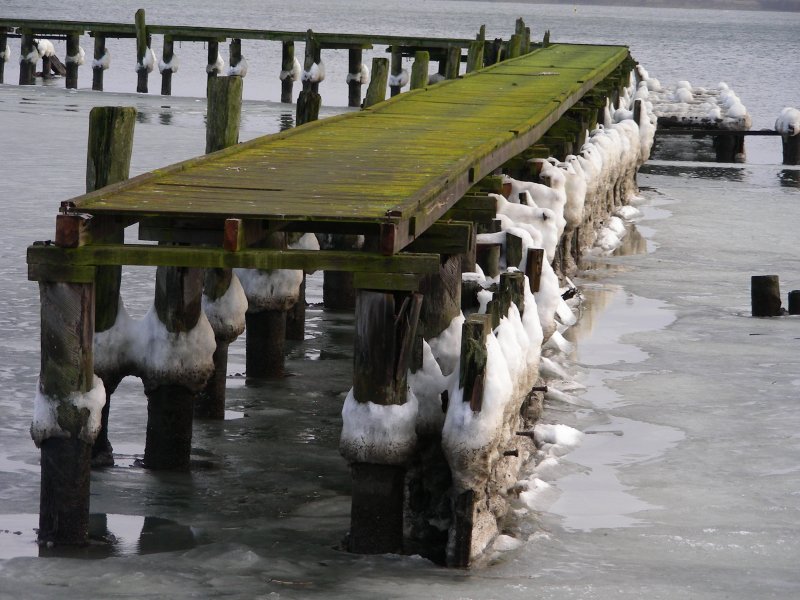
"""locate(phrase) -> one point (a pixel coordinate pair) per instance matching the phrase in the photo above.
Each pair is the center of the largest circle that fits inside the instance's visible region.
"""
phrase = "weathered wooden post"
(338, 292)
(493, 52)
(287, 71)
(235, 56)
(171, 390)
(224, 109)
(67, 407)
(791, 149)
(475, 52)
(142, 49)
(309, 100)
(224, 112)
(167, 67)
(5, 51)
(108, 161)
(100, 62)
(472, 374)
(765, 296)
(794, 302)
(385, 331)
(213, 62)
(488, 257)
(376, 92)
(73, 60)
(355, 58)
(419, 70)
(533, 268)
(396, 68)
(28, 57)
(453, 62)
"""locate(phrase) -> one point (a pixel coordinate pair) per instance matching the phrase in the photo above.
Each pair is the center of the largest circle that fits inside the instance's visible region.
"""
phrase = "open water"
(687, 482)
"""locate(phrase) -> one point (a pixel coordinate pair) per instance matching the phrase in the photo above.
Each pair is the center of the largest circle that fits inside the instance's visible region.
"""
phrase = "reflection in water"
(142, 116)
(285, 121)
(165, 116)
(695, 171)
(789, 178)
(109, 535)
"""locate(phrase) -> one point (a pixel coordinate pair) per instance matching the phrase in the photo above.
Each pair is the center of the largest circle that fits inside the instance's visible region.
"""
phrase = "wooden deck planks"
(406, 155)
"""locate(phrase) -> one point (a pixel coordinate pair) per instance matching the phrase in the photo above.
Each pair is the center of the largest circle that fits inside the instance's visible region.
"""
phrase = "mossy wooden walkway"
(389, 172)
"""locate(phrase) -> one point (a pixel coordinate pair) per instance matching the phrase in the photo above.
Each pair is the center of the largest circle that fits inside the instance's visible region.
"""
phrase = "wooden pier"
(409, 174)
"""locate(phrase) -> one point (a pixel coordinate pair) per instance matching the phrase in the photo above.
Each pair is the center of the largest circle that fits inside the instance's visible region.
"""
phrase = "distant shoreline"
(752, 5)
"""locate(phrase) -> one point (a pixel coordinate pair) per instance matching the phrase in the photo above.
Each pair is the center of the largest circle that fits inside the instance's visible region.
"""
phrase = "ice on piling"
(78, 58)
(788, 122)
(226, 314)
(171, 66)
(399, 80)
(45, 413)
(361, 77)
(292, 74)
(218, 66)
(104, 62)
(316, 74)
(700, 106)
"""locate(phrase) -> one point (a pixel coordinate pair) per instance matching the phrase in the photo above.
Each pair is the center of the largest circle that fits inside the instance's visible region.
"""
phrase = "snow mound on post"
(378, 434)
(788, 122)
(45, 413)
(226, 314)
(270, 290)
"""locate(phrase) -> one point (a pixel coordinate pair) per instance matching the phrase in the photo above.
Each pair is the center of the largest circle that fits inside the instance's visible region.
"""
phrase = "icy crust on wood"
(238, 70)
(446, 347)
(171, 66)
(148, 61)
(361, 77)
(78, 58)
(378, 434)
(45, 422)
(427, 384)
(316, 74)
(226, 314)
(218, 66)
(714, 106)
(399, 80)
(270, 290)
(102, 63)
(146, 349)
(5, 55)
(788, 122)
(294, 73)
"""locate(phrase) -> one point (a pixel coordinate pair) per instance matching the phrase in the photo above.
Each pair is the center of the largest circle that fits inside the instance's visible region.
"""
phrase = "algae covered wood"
(224, 112)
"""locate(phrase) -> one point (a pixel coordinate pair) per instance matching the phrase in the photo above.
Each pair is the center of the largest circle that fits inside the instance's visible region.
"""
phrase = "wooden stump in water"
(266, 340)
(794, 302)
(765, 295)
(376, 91)
(224, 112)
(791, 149)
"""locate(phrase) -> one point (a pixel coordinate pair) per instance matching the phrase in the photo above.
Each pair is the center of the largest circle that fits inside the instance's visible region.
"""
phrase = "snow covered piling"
(74, 59)
(398, 78)
(765, 296)
(101, 61)
(144, 57)
(309, 101)
(288, 71)
(28, 57)
(788, 125)
(379, 417)
(168, 65)
(357, 76)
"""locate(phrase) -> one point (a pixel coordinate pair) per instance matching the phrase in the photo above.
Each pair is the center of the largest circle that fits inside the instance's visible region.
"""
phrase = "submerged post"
(765, 296)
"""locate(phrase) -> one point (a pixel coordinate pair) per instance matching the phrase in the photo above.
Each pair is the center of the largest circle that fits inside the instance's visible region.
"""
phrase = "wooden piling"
(419, 70)
(309, 101)
(73, 53)
(513, 250)
(354, 60)
(533, 268)
(67, 319)
(27, 69)
(376, 91)
(765, 296)
(493, 52)
(475, 52)
(453, 64)
(99, 53)
(3, 44)
(396, 69)
(287, 66)
(108, 161)
(385, 333)
(791, 149)
(472, 371)
(224, 110)
(170, 404)
(442, 293)
(235, 53)
(794, 302)
(488, 257)
(142, 48)
(265, 343)
(296, 317)
(166, 58)
(211, 61)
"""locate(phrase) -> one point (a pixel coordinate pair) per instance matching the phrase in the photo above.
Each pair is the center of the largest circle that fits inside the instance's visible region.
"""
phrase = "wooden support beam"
(309, 101)
(445, 237)
(376, 91)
